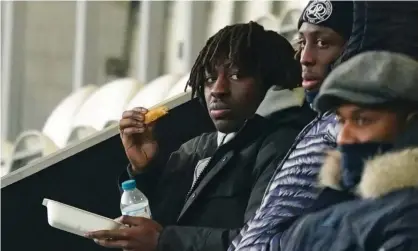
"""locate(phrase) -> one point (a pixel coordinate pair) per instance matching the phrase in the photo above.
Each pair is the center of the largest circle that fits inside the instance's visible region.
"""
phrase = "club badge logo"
(317, 11)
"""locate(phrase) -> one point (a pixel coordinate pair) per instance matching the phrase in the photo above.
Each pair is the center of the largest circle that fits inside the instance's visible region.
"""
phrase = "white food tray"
(75, 220)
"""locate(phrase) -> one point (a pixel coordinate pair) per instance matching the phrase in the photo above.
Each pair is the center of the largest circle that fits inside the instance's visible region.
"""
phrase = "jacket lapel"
(206, 179)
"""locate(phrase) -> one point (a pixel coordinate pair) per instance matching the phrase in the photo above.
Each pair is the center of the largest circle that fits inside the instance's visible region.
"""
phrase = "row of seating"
(85, 112)
(92, 109)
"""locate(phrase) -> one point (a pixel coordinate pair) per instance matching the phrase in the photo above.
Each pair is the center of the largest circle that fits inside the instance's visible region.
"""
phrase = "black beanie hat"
(337, 15)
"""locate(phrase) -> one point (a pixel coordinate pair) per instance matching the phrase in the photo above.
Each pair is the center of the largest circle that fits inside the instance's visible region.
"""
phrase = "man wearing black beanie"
(324, 28)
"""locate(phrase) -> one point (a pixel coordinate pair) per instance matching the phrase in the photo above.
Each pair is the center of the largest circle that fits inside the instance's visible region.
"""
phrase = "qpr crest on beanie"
(337, 15)
(317, 11)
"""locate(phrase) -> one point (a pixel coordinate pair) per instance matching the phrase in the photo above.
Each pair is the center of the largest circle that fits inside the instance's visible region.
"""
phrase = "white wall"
(49, 31)
(176, 37)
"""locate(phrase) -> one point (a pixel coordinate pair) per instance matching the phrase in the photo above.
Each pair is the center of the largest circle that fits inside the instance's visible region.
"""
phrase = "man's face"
(320, 46)
(231, 97)
(362, 125)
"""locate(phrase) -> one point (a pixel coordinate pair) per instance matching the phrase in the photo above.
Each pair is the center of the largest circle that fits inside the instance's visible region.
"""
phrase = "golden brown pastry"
(154, 114)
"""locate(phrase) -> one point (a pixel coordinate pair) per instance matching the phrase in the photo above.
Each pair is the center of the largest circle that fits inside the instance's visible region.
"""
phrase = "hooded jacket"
(207, 212)
(381, 215)
(383, 25)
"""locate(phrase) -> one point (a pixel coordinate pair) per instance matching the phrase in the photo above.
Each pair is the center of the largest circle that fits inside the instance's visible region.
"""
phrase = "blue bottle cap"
(129, 185)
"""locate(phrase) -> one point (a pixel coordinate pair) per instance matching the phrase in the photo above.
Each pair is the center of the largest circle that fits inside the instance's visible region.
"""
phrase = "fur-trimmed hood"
(381, 175)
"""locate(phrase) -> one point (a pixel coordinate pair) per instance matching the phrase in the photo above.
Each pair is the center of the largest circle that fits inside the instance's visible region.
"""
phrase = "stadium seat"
(6, 153)
(102, 107)
(178, 87)
(58, 125)
(29, 146)
(154, 92)
(269, 22)
(253, 10)
(287, 24)
(33, 144)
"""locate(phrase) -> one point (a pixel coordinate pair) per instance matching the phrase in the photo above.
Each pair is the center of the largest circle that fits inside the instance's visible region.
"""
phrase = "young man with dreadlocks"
(246, 77)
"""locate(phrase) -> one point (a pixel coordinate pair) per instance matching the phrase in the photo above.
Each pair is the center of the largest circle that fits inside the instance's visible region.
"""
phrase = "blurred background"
(69, 69)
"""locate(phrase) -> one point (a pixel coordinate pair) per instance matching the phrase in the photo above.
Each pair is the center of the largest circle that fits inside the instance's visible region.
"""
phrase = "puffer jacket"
(293, 186)
(382, 214)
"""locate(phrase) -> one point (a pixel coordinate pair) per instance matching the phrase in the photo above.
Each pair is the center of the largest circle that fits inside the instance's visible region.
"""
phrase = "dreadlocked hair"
(264, 55)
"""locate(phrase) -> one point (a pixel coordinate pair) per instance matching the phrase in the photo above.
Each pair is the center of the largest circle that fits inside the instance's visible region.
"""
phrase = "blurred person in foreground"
(246, 78)
(324, 29)
(373, 176)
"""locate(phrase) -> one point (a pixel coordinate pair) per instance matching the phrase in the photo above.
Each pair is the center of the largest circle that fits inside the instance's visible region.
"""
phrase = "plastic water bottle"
(133, 201)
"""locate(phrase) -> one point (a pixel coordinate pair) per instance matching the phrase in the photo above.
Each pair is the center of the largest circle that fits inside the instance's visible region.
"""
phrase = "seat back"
(154, 92)
(6, 154)
(80, 132)
(105, 105)
(252, 10)
(29, 146)
(288, 29)
(269, 22)
(58, 125)
(179, 87)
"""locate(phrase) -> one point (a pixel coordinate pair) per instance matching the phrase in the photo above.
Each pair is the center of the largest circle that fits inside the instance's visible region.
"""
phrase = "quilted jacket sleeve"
(292, 188)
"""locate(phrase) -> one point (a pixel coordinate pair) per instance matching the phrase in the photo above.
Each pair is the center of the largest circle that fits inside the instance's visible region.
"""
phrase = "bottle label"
(137, 211)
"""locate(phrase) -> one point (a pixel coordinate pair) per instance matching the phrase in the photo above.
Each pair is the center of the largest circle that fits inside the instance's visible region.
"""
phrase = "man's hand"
(138, 141)
(141, 235)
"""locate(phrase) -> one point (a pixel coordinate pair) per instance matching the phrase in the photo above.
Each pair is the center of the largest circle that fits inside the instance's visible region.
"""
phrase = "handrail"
(43, 163)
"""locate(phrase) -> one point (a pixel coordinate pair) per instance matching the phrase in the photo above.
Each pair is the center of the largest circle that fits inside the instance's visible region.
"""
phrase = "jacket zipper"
(202, 174)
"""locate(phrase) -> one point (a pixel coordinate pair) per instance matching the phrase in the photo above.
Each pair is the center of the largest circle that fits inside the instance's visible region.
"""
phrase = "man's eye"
(234, 77)
(322, 44)
(210, 80)
(362, 121)
(300, 42)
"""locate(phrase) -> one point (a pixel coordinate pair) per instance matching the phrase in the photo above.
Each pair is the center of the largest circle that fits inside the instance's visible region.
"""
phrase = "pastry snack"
(154, 114)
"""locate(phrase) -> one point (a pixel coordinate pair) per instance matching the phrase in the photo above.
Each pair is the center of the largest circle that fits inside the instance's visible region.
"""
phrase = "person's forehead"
(347, 108)
(222, 65)
(308, 29)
